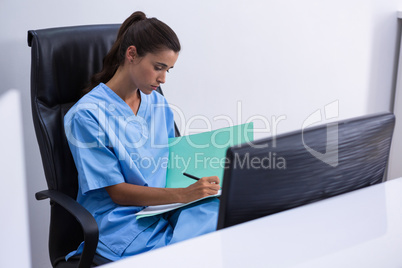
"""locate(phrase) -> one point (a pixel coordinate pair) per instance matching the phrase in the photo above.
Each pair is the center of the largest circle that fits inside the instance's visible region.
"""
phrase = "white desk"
(358, 229)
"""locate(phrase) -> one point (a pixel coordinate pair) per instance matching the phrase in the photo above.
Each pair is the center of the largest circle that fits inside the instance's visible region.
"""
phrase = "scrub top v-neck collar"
(143, 104)
(143, 101)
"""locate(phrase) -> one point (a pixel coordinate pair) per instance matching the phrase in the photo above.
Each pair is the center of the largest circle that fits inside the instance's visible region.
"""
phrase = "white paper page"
(155, 210)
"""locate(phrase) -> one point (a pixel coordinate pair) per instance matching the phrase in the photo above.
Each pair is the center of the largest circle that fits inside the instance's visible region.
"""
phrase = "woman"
(121, 120)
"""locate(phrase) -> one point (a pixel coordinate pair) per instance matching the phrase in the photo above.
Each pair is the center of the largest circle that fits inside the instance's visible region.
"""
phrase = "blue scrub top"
(112, 145)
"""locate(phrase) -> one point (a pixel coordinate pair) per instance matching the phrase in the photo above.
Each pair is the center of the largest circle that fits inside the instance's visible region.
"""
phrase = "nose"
(161, 78)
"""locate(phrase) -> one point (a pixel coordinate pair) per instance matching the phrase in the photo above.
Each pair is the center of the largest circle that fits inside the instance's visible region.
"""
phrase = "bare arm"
(127, 194)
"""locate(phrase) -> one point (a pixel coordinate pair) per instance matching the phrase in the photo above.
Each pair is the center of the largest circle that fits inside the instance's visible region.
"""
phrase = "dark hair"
(148, 35)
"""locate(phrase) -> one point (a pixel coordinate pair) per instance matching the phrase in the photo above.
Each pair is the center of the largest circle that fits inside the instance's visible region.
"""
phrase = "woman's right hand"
(127, 194)
(204, 187)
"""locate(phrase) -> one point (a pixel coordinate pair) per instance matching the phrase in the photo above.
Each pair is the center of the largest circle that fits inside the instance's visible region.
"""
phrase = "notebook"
(201, 155)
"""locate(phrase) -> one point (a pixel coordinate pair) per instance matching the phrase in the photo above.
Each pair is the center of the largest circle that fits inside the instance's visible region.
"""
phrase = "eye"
(158, 68)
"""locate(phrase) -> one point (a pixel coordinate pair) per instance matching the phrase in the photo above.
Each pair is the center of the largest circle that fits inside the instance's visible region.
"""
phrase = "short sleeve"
(97, 165)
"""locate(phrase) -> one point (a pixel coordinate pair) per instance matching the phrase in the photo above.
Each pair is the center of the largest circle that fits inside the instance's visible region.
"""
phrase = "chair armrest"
(84, 218)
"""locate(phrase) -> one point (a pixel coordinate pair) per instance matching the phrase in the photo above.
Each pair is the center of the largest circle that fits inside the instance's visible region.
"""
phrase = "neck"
(121, 86)
(125, 90)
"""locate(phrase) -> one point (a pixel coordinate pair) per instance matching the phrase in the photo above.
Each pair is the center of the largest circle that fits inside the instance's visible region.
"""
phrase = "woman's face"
(149, 71)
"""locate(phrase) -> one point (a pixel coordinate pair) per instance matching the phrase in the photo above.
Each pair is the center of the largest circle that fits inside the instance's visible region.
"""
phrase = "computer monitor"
(279, 173)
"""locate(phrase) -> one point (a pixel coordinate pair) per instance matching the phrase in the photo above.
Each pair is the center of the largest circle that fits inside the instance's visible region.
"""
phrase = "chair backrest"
(63, 60)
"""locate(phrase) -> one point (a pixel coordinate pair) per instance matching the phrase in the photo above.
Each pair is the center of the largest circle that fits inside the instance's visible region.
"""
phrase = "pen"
(191, 176)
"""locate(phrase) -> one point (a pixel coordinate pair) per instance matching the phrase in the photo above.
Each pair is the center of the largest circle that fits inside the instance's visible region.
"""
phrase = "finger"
(213, 179)
(215, 187)
(215, 190)
(211, 192)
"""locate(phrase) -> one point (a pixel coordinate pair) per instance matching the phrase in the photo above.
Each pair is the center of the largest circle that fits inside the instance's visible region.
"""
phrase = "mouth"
(154, 87)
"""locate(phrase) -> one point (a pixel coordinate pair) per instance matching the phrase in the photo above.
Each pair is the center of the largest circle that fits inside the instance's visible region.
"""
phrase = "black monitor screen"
(290, 170)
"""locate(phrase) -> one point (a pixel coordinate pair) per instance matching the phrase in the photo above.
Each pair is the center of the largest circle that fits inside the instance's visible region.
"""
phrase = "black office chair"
(63, 60)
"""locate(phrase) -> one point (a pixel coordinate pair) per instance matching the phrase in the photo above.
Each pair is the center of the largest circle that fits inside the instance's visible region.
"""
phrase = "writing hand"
(204, 187)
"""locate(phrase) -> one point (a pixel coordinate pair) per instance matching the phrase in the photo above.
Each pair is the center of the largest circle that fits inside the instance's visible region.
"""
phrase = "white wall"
(14, 250)
(280, 60)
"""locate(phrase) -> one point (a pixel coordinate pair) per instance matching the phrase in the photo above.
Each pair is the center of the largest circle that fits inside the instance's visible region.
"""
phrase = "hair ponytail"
(147, 35)
(134, 18)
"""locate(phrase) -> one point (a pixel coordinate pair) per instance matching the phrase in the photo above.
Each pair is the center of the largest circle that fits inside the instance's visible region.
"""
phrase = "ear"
(131, 53)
